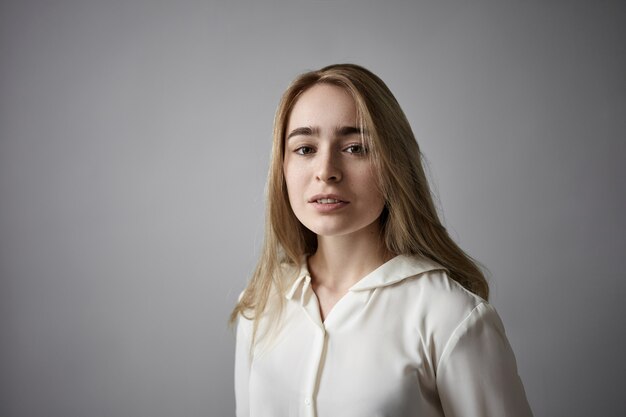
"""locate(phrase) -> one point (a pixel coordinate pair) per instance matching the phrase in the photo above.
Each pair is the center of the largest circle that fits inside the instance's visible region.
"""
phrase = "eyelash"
(361, 150)
(307, 150)
(301, 150)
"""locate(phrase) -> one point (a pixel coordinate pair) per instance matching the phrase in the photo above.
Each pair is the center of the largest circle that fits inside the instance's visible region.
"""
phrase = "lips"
(327, 199)
(327, 204)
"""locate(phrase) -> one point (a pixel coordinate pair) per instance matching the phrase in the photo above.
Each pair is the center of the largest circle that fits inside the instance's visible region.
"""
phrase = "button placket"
(311, 309)
(317, 351)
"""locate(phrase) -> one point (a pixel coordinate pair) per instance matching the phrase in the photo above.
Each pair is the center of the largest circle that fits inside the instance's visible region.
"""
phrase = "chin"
(324, 230)
(336, 230)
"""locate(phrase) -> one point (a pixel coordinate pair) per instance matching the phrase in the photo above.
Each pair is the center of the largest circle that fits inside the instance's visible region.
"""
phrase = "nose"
(329, 169)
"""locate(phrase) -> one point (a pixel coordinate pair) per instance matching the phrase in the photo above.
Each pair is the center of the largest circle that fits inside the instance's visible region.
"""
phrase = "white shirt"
(406, 340)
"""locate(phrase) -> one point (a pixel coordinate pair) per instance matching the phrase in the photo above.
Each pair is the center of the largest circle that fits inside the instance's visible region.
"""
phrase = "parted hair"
(409, 222)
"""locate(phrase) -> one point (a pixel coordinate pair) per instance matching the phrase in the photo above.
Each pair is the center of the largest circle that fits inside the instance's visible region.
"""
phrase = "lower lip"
(330, 207)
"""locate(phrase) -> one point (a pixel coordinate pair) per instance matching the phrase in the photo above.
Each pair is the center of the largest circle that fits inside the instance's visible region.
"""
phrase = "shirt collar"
(302, 277)
(391, 272)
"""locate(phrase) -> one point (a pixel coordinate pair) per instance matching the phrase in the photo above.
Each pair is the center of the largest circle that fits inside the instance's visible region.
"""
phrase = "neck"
(341, 261)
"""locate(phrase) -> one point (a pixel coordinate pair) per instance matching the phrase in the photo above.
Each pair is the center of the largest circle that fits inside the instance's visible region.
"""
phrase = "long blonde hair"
(409, 222)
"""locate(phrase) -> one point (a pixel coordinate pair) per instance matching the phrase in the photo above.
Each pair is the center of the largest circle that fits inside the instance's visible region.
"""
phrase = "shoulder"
(423, 289)
(425, 285)
(442, 298)
(442, 309)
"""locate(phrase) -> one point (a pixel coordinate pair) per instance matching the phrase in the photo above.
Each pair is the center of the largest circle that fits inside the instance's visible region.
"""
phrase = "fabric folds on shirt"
(405, 340)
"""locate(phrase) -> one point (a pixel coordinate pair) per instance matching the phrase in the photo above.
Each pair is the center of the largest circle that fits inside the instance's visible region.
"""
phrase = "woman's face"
(331, 182)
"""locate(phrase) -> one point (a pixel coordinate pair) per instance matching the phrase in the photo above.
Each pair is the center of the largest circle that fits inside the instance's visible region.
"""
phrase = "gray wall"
(134, 142)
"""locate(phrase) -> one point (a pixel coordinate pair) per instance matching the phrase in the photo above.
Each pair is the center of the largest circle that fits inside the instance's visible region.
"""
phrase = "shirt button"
(307, 402)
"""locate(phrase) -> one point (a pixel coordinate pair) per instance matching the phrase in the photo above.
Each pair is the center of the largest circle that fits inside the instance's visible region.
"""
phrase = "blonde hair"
(409, 222)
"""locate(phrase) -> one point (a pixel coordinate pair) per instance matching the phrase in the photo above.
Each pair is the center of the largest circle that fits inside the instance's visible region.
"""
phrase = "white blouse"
(406, 340)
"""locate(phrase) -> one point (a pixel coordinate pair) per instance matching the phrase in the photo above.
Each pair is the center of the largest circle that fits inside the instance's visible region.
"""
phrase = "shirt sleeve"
(477, 373)
(242, 367)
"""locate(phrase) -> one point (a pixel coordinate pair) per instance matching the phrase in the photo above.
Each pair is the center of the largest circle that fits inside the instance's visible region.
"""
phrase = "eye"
(356, 149)
(303, 150)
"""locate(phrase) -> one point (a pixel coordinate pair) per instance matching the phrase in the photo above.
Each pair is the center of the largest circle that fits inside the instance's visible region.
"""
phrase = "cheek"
(366, 178)
(293, 181)
(369, 184)
(376, 203)
(287, 174)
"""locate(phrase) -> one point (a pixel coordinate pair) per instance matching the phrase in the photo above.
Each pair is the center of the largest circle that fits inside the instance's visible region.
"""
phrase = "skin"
(324, 155)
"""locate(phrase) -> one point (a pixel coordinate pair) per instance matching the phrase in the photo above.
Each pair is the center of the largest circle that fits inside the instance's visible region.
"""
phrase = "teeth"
(327, 201)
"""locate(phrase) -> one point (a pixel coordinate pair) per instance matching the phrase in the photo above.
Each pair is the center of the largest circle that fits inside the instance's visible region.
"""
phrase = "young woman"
(361, 304)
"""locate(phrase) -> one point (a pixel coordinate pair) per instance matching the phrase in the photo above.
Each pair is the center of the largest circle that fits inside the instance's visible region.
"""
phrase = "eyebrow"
(309, 131)
(304, 131)
(349, 130)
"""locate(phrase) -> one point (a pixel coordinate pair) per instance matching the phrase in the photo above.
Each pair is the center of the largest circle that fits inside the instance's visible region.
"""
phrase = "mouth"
(327, 199)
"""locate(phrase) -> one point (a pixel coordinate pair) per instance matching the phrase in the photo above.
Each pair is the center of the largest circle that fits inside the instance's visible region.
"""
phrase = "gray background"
(134, 144)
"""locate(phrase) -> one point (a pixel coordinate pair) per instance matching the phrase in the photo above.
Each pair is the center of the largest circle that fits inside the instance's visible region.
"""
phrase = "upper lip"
(321, 196)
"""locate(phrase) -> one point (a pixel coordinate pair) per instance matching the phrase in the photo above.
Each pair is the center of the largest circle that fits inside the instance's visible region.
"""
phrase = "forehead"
(322, 104)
